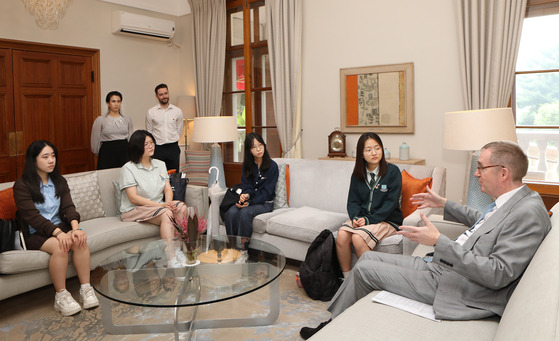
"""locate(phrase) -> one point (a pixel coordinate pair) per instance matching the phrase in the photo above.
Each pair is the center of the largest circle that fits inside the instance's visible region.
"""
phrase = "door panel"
(8, 138)
(33, 70)
(54, 102)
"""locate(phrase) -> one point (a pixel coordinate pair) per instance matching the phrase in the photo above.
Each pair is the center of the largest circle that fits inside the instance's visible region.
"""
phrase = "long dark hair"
(360, 169)
(248, 162)
(30, 176)
(136, 146)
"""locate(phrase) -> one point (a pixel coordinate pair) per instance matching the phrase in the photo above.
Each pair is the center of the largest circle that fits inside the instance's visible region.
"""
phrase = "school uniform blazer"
(476, 279)
(386, 198)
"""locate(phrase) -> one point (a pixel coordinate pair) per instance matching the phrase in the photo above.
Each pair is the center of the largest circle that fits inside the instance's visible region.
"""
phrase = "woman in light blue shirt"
(50, 223)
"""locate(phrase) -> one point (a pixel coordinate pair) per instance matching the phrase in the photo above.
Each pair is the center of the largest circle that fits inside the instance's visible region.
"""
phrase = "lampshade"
(472, 129)
(188, 106)
(215, 129)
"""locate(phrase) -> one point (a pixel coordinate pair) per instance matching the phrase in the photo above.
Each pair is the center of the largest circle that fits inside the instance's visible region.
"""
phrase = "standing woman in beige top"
(110, 134)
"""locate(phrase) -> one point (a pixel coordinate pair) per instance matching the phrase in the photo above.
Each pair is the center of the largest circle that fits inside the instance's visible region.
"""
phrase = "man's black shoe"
(307, 332)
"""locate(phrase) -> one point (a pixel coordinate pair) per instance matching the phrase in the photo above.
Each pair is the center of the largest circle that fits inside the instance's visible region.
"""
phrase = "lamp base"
(475, 198)
(216, 161)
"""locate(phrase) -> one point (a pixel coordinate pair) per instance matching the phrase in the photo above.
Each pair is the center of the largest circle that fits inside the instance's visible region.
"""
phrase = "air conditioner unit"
(142, 26)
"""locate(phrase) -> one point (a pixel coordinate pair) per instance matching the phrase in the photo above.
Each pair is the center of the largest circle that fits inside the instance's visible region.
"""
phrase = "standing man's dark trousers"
(169, 153)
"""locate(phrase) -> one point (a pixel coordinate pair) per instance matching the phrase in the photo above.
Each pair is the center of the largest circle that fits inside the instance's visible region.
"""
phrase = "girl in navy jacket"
(259, 178)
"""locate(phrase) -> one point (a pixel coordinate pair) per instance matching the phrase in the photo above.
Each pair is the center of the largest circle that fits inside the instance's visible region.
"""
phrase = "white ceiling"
(173, 7)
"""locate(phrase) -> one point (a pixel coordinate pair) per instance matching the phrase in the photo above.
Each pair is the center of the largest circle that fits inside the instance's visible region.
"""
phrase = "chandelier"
(47, 12)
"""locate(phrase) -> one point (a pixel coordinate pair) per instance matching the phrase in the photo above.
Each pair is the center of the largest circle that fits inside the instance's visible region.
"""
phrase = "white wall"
(357, 33)
(133, 66)
(336, 34)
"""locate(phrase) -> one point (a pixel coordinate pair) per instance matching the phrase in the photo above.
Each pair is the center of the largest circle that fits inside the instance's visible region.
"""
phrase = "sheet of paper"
(403, 303)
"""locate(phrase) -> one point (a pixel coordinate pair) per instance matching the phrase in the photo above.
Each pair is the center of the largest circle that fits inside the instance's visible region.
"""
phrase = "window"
(247, 91)
(536, 96)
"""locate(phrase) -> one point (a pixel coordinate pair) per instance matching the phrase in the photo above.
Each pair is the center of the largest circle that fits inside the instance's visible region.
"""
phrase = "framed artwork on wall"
(377, 98)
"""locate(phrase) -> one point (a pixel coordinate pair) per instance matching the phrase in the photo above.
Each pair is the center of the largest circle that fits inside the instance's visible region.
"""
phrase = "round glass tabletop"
(156, 274)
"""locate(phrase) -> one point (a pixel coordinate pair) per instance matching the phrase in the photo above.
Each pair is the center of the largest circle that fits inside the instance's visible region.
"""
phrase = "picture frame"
(378, 99)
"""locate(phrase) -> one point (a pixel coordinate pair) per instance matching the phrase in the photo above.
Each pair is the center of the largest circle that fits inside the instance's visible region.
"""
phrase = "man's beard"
(164, 101)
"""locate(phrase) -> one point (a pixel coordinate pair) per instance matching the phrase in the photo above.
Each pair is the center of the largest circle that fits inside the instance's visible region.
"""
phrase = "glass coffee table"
(141, 276)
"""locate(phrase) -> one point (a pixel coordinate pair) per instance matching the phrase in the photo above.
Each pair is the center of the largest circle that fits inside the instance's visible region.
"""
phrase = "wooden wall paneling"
(8, 167)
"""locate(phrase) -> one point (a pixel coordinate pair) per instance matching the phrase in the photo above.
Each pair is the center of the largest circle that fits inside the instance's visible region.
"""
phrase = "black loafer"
(307, 332)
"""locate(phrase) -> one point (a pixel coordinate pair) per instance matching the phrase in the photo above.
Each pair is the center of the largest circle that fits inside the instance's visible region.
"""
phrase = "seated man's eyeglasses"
(480, 168)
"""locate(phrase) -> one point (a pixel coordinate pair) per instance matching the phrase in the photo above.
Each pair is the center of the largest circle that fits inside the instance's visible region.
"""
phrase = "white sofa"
(24, 270)
(532, 312)
(318, 193)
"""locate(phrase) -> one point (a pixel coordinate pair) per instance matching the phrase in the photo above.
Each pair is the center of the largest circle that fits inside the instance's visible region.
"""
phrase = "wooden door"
(8, 136)
(47, 92)
(52, 101)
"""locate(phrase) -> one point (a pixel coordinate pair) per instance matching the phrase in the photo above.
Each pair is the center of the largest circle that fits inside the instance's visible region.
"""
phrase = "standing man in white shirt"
(165, 122)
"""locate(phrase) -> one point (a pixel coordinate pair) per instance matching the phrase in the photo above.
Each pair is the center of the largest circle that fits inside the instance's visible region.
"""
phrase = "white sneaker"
(173, 263)
(243, 258)
(88, 298)
(65, 304)
(179, 255)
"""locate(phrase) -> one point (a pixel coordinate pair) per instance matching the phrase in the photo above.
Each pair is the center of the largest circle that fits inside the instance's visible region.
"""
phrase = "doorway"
(47, 92)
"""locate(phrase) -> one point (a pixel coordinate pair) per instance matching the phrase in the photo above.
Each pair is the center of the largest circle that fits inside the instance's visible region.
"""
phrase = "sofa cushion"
(304, 223)
(281, 200)
(101, 233)
(108, 231)
(259, 222)
(400, 325)
(118, 193)
(86, 195)
(411, 186)
(196, 167)
(392, 244)
(7, 204)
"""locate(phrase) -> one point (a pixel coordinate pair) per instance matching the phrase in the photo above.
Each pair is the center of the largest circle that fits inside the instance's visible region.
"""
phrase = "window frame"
(548, 190)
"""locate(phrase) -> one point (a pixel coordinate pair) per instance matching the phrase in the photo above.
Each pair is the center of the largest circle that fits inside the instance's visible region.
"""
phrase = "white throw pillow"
(280, 200)
(118, 194)
(86, 195)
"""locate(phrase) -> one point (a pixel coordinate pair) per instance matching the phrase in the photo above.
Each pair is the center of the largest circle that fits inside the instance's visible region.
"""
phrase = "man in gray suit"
(473, 276)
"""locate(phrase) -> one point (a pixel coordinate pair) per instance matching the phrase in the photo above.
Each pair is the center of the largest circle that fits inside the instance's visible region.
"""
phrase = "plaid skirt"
(371, 234)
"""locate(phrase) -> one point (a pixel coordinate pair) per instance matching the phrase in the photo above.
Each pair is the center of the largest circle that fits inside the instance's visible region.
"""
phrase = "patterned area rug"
(30, 316)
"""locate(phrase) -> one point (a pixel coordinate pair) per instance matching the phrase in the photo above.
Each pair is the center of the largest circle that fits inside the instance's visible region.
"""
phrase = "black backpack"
(320, 273)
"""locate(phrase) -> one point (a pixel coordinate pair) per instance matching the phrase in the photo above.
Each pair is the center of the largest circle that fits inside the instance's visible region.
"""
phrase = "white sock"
(59, 293)
(346, 273)
(84, 286)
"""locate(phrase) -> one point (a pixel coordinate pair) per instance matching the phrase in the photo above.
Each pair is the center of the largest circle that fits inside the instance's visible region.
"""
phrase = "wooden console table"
(408, 162)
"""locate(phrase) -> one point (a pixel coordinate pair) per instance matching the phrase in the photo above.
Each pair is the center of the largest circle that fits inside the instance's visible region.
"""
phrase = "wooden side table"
(408, 162)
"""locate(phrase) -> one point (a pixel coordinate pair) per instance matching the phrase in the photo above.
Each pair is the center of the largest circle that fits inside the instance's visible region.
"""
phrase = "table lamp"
(471, 130)
(215, 129)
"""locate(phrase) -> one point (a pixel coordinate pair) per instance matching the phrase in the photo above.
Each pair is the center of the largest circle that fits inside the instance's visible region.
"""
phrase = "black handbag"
(178, 183)
(230, 198)
(8, 233)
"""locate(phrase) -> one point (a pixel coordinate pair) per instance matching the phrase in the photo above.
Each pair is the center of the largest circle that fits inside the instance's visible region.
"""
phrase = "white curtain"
(489, 39)
(210, 20)
(284, 27)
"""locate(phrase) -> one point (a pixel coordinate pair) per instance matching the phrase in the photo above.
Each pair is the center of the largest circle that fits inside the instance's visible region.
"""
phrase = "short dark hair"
(509, 155)
(360, 168)
(161, 86)
(111, 94)
(136, 144)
